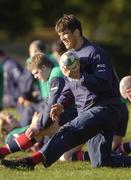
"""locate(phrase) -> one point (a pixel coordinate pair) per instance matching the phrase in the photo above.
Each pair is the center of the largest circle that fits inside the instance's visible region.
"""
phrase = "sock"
(21, 143)
(80, 156)
(37, 158)
(4, 150)
(38, 145)
(86, 156)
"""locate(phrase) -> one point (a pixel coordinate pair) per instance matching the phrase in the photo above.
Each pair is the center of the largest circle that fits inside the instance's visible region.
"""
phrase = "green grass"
(68, 170)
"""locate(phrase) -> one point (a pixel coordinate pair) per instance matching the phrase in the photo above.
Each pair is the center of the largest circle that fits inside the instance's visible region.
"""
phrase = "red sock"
(24, 142)
(4, 150)
(80, 155)
(37, 158)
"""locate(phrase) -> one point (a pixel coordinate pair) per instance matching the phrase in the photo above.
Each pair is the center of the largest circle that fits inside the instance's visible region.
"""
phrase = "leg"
(78, 131)
(67, 156)
(21, 143)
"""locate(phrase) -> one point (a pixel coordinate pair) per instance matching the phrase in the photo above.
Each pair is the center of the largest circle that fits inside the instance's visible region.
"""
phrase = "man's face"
(41, 74)
(38, 74)
(68, 38)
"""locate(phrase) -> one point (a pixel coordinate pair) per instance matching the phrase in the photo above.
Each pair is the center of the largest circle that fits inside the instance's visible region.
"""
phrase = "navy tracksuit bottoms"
(95, 125)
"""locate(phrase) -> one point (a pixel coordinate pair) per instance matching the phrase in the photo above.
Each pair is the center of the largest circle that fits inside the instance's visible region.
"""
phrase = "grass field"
(68, 171)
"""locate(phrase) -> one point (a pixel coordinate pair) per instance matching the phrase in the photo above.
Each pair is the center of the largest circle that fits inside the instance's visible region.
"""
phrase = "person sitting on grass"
(8, 123)
(13, 71)
(41, 125)
(58, 48)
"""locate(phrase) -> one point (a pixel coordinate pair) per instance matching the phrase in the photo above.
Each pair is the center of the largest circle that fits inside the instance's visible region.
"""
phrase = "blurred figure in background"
(7, 123)
(58, 48)
(36, 46)
(31, 87)
(12, 73)
(1, 87)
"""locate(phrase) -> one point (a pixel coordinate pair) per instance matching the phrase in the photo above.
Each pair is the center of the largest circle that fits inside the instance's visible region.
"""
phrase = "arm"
(52, 129)
(43, 119)
(56, 87)
(32, 131)
(64, 101)
(67, 97)
(99, 76)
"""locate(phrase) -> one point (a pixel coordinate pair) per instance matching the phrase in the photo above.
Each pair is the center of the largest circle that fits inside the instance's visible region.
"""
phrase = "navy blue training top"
(97, 85)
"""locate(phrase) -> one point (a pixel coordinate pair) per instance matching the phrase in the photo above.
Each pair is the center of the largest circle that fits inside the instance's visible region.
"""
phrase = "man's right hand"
(55, 112)
(34, 127)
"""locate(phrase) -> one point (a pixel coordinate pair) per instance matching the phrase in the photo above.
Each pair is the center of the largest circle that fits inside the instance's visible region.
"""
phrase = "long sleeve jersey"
(97, 85)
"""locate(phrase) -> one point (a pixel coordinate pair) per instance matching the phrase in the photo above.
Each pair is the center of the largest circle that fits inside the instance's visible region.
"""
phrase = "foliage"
(15, 16)
(100, 17)
(107, 22)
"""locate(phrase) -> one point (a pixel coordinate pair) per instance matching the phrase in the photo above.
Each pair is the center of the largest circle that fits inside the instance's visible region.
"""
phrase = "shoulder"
(92, 48)
(56, 72)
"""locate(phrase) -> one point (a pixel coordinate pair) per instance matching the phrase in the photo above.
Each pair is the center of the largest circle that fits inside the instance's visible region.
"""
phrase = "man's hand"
(34, 127)
(56, 110)
(31, 132)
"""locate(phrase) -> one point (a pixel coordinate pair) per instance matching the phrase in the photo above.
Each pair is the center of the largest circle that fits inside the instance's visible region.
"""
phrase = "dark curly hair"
(69, 22)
